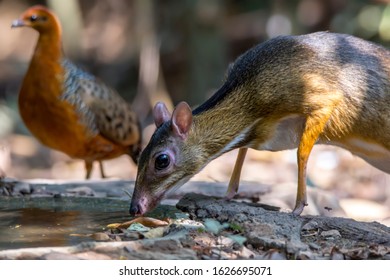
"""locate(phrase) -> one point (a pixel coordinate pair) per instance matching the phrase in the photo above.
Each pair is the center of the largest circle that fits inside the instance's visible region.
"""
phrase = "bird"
(69, 109)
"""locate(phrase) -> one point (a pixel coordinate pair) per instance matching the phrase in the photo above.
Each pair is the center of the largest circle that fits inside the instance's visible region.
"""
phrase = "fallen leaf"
(146, 221)
(114, 226)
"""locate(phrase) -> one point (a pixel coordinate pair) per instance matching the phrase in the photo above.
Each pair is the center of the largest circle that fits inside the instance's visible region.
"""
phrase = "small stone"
(296, 246)
(154, 233)
(132, 235)
(331, 234)
(309, 229)
(274, 254)
(336, 254)
(100, 236)
(225, 241)
(218, 254)
(188, 223)
(21, 188)
(245, 253)
(307, 255)
(314, 246)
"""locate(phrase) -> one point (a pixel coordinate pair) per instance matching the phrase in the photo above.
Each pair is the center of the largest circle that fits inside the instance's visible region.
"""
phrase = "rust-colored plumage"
(68, 109)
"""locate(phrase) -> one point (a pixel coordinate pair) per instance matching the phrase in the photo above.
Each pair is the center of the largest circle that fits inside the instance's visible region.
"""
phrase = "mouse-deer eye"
(162, 161)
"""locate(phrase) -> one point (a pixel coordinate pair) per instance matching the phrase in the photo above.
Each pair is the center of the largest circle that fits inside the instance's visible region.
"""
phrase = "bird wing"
(101, 109)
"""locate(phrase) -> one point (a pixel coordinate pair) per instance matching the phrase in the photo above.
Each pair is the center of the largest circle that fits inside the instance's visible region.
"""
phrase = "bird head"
(39, 18)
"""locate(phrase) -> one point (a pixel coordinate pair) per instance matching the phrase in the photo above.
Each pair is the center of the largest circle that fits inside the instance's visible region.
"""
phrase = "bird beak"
(18, 23)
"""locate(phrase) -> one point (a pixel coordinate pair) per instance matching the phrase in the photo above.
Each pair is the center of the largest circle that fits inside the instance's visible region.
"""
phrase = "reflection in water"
(35, 227)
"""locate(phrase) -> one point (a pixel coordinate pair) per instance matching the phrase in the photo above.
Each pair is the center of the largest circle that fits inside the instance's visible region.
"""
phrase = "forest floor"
(361, 191)
(341, 186)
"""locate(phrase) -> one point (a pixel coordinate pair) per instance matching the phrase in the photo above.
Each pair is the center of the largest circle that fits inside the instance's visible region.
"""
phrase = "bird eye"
(162, 161)
(33, 18)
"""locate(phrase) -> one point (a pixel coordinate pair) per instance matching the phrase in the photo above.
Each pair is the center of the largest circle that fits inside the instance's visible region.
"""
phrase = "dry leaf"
(114, 226)
(146, 221)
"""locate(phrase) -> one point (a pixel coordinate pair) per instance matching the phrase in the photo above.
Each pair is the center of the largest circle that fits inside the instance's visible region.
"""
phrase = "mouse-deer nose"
(138, 207)
(134, 210)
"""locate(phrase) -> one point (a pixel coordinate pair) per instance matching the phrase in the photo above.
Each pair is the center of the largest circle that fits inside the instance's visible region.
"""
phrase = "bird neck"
(45, 66)
(49, 45)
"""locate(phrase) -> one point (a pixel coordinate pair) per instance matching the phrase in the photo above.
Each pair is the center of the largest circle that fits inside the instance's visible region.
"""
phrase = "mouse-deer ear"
(160, 114)
(182, 120)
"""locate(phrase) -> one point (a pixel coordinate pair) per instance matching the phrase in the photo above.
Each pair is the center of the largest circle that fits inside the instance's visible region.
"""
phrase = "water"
(46, 222)
(27, 222)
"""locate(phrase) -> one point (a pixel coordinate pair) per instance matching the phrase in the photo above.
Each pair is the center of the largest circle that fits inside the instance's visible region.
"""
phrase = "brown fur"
(289, 92)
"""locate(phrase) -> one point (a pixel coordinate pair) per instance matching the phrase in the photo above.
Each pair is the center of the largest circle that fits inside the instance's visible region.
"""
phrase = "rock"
(274, 255)
(154, 233)
(288, 233)
(21, 188)
(82, 191)
(269, 234)
(330, 234)
(218, 254)
(245, 253)
(314, 246)
(59, 256)
(225, 241)
(132, 235)
(158, 249)
(100, 236)
(337, 256)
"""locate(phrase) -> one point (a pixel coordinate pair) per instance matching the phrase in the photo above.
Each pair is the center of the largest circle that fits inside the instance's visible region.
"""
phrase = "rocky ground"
(352, 186)
(340, 185)
(203, 227)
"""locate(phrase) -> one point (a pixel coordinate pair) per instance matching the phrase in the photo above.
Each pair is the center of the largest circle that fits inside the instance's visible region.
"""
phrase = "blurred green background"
(167, 50)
